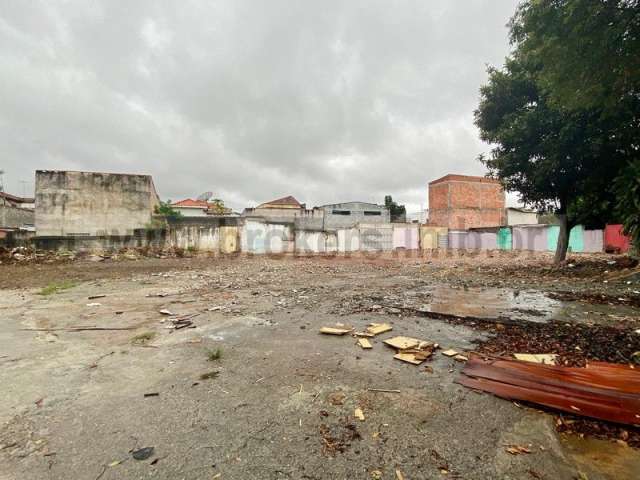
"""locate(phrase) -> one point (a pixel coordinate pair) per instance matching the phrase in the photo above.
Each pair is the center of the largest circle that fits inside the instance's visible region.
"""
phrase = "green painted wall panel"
(576, 238)
(504, 239)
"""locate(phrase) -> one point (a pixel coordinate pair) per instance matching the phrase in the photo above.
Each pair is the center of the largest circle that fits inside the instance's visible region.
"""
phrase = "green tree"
(397, 212)
(588, 53)
(166, 210)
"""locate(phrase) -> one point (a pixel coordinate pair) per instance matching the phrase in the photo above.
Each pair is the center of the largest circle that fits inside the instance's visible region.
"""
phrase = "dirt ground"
(251, 390)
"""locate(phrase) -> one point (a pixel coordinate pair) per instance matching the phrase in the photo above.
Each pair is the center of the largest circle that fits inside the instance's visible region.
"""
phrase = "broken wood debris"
(364, 343)
(450, 353)
(546, 358)
(335, 330)
(411, 350)
(378, 328)
(359, 414)
(382, 390)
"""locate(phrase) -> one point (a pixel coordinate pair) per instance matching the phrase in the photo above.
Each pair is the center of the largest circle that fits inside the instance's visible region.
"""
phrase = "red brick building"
(462, 201)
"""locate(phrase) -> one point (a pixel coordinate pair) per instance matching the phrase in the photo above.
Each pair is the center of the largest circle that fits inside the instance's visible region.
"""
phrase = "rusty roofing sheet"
(602, 390)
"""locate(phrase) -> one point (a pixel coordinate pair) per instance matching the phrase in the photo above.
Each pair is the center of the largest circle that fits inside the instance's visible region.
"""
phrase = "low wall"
(14, 217)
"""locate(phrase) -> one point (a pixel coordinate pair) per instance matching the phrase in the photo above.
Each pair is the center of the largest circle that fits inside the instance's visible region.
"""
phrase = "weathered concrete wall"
(229, 239)
(461, 202)
(262, 237)
(406, 236)
(314, 241)
(518, 217)
(348, 240)
(376, 237)
(92, 204)
(350, 214)
(429, 236)
(14, 217)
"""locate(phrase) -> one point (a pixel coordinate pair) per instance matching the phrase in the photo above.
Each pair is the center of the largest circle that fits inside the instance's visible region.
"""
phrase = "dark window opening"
(373, 213)
(341, 212)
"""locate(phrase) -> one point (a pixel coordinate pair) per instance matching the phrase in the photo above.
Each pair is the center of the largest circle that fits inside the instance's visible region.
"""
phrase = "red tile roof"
(191, 203)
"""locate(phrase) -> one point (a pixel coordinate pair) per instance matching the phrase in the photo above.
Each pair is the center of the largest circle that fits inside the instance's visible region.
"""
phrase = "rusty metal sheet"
(605, 391)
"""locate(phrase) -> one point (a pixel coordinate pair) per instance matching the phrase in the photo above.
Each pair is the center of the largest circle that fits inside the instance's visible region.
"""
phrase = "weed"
(209, 375)
(143, 338)
(57, 287)
(214, 354)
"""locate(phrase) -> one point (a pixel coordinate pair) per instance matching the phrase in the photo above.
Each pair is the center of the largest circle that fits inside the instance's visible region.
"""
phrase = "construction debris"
(408, 357)
(450, 353)
(601, 390)
(546, 358)
(378, 328)
(335, 330)
(517, 449)
(364, 343)
(382, 390)
(359, 414)
(402, 343)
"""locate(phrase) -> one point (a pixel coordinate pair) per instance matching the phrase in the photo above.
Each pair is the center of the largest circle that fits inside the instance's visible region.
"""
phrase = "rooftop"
(464, 178)
(287, 201)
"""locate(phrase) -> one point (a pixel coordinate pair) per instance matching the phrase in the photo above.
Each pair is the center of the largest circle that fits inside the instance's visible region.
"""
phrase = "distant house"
(16, 212)
(460, 202)
(199, 208)
(285, 207)
(71, 203)
(349, 214)
(521, 216)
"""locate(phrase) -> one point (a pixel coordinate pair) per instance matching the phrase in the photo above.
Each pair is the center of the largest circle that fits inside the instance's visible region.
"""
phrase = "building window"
(341, 212)
(372, 213)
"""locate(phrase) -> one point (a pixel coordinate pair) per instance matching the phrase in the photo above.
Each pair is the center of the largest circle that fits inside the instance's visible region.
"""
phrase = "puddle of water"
(530, 305)
(606, 458)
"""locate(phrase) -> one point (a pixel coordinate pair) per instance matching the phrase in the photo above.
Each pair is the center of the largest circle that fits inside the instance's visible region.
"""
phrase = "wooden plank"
(364, 343)
(545, 358)
(408, 357)
(334, 331)
(402, 343)
(378, 328)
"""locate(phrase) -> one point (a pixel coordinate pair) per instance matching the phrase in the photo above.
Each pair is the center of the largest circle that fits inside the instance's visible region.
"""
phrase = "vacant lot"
(218, 365)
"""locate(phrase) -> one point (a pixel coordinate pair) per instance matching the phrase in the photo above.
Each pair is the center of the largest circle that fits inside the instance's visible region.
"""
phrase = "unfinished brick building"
(461, 201)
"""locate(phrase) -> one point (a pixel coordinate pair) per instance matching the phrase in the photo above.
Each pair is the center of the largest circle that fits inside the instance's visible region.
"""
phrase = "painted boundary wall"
(615, 240)
(406, 237)
(430, 237)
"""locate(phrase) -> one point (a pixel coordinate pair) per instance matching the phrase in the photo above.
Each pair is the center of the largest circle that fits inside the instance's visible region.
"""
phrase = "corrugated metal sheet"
(601, 390)
(443, 240)
(615, 240)
(593, 241)
(348, 239)
(376, 237)
(406, 236)
(504, 238)
(457, 239)
(429, 236)
(481, 240)
(530, 238)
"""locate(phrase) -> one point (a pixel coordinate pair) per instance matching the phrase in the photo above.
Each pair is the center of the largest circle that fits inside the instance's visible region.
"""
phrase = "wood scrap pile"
(600, 390)
(411, 350)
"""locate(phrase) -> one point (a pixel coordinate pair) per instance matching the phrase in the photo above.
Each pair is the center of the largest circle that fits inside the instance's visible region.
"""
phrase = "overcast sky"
(326, 100)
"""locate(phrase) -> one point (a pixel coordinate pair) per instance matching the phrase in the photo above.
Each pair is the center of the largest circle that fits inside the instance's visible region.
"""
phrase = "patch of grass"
(143, 337)
(214, 354)
(209, 375)
(57, 287)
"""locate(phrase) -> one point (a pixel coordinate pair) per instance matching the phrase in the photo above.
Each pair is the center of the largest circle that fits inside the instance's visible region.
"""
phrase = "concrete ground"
(281, 400)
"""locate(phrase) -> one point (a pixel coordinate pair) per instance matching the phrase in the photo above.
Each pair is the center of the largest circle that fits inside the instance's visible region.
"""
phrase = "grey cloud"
(328, 101)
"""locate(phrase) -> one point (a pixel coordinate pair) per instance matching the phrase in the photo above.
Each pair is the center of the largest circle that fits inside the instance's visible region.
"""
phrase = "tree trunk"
(563, 239)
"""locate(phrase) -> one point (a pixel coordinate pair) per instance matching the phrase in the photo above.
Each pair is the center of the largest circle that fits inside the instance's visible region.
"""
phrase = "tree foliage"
(397, 212)
(562, 127)
(166, 210)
